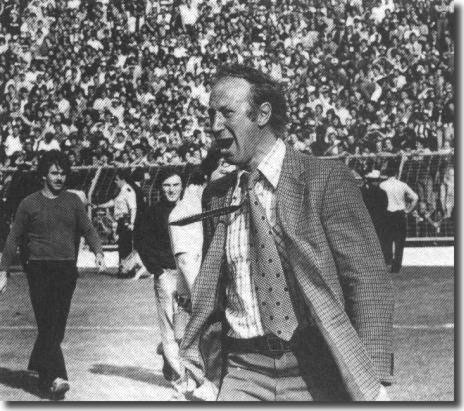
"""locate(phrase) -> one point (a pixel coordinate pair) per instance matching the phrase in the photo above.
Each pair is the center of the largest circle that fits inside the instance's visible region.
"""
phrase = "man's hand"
(100, 261)
(3, 281)
(206, 391)
(184, 385)
(130, 227)
(187, 386)
(383, 395)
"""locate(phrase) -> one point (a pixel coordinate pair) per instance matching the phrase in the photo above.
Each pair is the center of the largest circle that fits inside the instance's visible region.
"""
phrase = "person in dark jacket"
(154, 247)
(376, 202)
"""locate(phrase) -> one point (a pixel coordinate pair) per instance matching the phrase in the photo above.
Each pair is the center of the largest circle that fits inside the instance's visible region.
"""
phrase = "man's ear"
(264, 114)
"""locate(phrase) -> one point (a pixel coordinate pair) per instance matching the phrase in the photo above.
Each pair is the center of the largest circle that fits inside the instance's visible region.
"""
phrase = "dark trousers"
(51, 287)
(124, 239)
(395, 235)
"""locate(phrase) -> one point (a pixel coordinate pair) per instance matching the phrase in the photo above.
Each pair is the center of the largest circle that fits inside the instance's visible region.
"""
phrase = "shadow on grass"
(133, 373)
(23, 380)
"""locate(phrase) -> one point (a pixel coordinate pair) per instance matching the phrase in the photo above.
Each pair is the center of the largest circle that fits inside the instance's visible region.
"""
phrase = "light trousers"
(307, 373)
(172, 319)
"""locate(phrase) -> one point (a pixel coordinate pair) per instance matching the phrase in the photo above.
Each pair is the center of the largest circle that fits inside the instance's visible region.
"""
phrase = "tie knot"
(249, 178)
(244, 178)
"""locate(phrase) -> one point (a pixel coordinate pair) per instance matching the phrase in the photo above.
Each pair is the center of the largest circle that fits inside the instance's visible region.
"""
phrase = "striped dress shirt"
(242, 311)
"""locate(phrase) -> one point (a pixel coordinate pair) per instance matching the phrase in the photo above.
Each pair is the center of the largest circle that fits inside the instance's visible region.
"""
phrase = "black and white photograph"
(227, 201)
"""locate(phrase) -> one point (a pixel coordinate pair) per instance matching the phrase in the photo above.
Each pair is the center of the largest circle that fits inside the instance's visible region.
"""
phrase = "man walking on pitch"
(292, 302)
(125, 212)
(401, 201)
(47, 227)
(154, 248)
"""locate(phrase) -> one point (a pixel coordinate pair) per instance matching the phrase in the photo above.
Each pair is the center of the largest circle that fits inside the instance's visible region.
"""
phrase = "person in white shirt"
(64, 106)
(125, 210)
(401, 201)
(187, 241)
(49, 142)
(103, 102)
(117, 109)
(13, 142)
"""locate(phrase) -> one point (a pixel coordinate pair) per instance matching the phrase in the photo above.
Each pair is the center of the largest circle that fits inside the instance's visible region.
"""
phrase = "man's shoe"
(44, 389)
(59, 388)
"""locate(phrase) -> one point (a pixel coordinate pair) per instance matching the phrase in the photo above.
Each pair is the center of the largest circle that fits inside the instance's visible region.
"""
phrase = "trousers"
(172, 319)
(308, 372)
(395, 235)
(51, 287)
(124, 239)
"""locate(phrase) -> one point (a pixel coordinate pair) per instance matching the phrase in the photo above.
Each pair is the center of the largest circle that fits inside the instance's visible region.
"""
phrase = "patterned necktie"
(216, 212)
(277, 313)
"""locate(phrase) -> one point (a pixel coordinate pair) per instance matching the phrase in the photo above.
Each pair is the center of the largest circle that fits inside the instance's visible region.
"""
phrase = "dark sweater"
(50, 229)
(152, 238)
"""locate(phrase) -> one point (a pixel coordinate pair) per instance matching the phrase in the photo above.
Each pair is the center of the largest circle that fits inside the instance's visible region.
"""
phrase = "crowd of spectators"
(127, 81)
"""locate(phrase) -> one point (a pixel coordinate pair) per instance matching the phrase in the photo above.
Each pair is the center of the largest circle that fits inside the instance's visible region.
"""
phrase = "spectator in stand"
(75, 60)
(346, 65)
(49, 142)
(13, 143)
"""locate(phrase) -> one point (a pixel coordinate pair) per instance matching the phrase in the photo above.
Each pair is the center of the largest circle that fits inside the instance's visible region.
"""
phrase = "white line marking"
(445, 326)
(82, 328)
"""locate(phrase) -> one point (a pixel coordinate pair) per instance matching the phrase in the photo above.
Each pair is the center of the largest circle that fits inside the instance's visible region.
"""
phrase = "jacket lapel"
(290, 191)
(206, 292)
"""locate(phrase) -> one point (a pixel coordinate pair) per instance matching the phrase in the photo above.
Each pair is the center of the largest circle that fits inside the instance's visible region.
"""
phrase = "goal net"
(430, 175)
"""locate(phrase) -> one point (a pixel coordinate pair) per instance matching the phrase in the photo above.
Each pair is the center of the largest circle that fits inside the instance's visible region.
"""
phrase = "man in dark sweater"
(47, 227)
(154, 247)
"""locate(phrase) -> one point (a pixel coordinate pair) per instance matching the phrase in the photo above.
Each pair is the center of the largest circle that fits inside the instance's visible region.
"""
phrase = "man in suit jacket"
(335, 300)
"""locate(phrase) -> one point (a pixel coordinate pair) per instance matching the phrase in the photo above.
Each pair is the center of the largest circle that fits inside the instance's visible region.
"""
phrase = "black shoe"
(43, 389)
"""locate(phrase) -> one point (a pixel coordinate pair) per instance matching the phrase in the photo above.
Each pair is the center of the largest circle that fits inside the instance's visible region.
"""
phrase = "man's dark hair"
(391, 170)
(263, 89)
(165, 173)
(50, 158)
(138, 175)
(197, 177)
(123, 174)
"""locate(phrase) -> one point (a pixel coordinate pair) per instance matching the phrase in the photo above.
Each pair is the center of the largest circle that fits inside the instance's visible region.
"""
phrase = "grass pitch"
(111, 339)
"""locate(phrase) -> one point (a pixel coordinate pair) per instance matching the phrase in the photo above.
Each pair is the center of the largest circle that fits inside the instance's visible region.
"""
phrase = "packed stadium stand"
(125, 83)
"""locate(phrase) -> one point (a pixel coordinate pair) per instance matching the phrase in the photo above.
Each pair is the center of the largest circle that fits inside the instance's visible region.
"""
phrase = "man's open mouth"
(224, 143)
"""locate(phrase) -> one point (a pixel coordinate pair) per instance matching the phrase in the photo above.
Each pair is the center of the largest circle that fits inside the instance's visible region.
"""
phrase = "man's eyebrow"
(224, 108)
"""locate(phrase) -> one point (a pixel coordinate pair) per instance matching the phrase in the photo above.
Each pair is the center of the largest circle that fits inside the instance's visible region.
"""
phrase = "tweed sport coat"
(338, 265)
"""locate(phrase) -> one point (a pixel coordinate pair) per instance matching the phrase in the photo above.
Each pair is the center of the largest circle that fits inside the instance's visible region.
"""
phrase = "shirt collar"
(271, 165)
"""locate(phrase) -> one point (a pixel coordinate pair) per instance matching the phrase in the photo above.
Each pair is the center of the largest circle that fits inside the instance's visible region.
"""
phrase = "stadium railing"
(431, 175)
